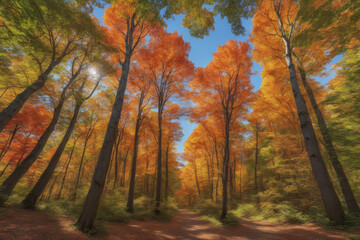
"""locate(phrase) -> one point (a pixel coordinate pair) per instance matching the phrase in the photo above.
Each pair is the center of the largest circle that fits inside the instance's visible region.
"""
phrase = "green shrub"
(230, 219)
(211, 212)
(246, 210)
(207, 208)
(282, 212)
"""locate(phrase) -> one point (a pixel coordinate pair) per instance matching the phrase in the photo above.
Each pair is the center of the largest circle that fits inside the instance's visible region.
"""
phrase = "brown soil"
(27, 224)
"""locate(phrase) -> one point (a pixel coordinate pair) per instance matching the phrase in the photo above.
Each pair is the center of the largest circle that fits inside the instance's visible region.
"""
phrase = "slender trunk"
(329, 196)
(88, 213)
(66, 169)
(230, 180)
(225, 168)
(88, 135)
(167, 174)
(8, 143)
(130, 202)
(234, 175)
(15, 106)
(31, 198)
(124, 167)
(116, 170)
(52, 186)
(218, 170)
(208, 175)
(3, 171)
(9, 184)
(350, 200)
(158, 178)
(256, 156)
(197, 181)
(147, 175)
(240, 177)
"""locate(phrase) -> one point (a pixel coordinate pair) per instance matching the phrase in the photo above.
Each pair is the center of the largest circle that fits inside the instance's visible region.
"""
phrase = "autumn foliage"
(92, 115)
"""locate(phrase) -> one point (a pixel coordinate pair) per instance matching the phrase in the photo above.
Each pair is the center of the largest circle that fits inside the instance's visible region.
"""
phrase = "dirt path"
(21, 224)
(188, 225)
(27, 224)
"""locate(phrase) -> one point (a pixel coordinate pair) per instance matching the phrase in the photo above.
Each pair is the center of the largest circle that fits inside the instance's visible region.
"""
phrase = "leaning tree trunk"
(88, 135)
(66, 169)
(15, 106)
(88, 214)
(31, 198)
(9, 184)
(130, 202)
(350, 200)
(158, 177)
(8, 142)
(225, 168)
(330, 199)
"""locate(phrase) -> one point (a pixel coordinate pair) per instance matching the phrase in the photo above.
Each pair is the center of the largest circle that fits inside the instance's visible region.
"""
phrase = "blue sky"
(202, 50)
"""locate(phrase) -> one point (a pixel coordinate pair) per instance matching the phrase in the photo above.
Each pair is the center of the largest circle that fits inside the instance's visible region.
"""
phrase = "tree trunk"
(88, 135)
(167, 174)
(256, 156)
(8, 143)
(350, 200)
(9, 184)
(31, 198)
(116, 170)
(124, 167)
(130, 202)
(197, 181)
(3, 171)
(52, 186)
(329, 196)
(88, 214)
(66, 169)
(225, 168)
(15, 106)
(158, 178)
(240, 177)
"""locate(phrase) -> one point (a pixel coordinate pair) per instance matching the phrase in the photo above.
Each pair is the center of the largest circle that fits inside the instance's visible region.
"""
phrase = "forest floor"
(23, 224)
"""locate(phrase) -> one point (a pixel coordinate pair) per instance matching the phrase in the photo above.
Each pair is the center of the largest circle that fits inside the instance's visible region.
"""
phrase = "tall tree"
(32, 197)
(77, 64)
(223, 89)
(277, 20)
(140, 87)
(167, 60)
(128, 23)
(46, 32)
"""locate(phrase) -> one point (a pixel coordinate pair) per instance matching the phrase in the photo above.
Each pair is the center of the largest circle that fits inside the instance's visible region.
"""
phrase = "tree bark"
(167, 173)
(225, 167)
(330, 199)
(130, 202)
(124, 167)
(350, 200)
(66, 169)
(197, 181)
(88, 214)
(15, 106)
(9, 184)
(158, 178)
(256, 156)
(31, 198)
(8, 143)
(88, 135)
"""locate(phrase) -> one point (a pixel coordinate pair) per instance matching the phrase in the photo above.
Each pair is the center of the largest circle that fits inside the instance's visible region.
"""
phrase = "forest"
(111, 129)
